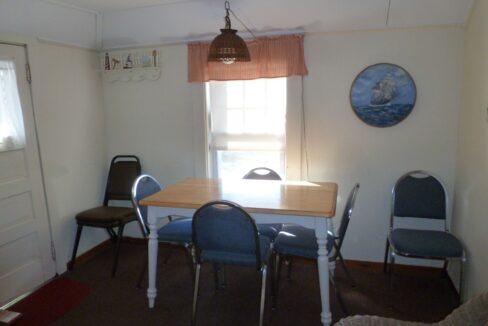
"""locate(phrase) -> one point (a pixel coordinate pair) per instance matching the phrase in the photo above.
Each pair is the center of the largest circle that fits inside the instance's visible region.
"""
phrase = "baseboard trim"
(410, 269)
(357, 264)
(89, 254)
(106, 245)
(414, 270)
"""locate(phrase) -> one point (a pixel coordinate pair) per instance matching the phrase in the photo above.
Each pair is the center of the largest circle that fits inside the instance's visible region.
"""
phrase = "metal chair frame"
(260, 265)
(338, 241)
(145, 229)
(394, 251)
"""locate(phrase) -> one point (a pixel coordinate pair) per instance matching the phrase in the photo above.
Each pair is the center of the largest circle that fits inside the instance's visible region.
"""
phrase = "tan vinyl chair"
(124, 169)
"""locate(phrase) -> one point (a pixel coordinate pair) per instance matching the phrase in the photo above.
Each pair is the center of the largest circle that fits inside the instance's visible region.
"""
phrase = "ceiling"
(115, 5)
(136, 22)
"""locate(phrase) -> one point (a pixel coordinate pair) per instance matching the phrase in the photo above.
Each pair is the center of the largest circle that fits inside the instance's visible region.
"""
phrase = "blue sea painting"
(382, 95)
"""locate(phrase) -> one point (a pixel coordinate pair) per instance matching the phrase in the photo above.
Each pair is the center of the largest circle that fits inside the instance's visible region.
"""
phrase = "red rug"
(50, 302)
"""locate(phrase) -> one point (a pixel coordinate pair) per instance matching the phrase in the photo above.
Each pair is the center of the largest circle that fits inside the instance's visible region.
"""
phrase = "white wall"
(156, 120)
(471, 206)
(343, 148)
(67, 95)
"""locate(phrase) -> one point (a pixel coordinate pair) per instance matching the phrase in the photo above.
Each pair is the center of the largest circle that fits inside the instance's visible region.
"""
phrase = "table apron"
(156, 213)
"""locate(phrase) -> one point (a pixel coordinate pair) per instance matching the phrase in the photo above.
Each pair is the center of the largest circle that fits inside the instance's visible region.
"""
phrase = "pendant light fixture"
(229, 47)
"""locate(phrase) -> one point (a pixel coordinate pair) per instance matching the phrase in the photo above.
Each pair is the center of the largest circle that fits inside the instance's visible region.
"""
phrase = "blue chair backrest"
(256, 174)
(420, 196)
(223, 226)
(145, 185)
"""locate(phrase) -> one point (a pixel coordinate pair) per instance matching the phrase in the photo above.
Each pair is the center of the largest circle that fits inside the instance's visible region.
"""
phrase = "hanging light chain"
(227, 18)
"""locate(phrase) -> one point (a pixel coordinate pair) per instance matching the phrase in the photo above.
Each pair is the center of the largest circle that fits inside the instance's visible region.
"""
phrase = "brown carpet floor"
(117, 301)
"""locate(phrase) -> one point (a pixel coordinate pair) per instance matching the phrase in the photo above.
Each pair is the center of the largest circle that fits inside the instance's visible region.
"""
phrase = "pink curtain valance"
(276, 56)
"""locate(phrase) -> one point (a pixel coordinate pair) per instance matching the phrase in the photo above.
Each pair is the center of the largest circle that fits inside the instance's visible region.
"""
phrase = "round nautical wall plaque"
(383, 94)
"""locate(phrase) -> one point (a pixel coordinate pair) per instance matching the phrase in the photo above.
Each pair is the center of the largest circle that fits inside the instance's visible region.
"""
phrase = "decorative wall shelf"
(127, 65)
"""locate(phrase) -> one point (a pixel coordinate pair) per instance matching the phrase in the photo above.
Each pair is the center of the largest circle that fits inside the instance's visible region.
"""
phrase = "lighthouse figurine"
(128, 63)
(107, 61)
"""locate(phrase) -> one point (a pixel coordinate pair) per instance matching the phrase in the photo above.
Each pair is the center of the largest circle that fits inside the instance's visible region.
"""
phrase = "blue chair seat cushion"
(270, 230)
(234, 258)
(425, 243)
(179, 231)
(297, 240)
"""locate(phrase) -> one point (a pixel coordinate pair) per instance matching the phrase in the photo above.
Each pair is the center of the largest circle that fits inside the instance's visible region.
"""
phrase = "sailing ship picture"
(382, 95)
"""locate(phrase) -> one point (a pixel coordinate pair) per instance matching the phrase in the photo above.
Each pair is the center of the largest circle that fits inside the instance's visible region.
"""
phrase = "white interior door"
(25, 241)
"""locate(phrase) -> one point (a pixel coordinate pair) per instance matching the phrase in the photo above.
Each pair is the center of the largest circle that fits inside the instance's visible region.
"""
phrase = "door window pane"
(12, 135)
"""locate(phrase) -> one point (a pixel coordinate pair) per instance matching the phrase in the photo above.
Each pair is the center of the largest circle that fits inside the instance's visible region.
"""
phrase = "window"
(247, 126)
(11, 123)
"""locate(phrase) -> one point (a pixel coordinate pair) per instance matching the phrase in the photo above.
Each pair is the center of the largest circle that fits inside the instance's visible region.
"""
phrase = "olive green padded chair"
(124, 169)
(472, 313)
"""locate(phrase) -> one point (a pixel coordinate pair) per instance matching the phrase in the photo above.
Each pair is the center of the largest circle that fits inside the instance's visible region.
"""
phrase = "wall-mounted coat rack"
(127, 65)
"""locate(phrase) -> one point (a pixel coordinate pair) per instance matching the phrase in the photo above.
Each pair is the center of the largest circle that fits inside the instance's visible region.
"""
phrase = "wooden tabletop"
(256, 196)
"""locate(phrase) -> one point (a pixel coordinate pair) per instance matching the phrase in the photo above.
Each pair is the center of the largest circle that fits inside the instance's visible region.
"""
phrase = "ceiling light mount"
(228, 47)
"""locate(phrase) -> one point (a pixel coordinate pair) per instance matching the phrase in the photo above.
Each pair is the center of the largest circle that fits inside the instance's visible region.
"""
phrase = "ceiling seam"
(388, 13)
(467, 14)
(167, 3)
(70, 6)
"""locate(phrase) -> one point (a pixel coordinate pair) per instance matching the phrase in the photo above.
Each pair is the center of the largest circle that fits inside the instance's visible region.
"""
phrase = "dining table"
(310, 204)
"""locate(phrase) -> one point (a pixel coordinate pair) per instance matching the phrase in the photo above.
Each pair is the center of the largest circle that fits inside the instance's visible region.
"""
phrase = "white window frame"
(293, 150)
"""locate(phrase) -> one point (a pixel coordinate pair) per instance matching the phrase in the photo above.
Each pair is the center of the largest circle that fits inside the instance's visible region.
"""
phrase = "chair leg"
(387, 249)
(143, 272)
(289, 267)
(264, 270)
(75, 248)
(461, 275)
(191, 263)
(276, 281)
(112, 234)
(216, 269)
(391, 270)
(195, 295)
(117, 248)
(272, 266)
(223, 284)
(444, 268)
(348, 274)
(338, 294)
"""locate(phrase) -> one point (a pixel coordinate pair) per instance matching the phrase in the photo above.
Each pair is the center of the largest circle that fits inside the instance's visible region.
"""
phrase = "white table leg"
(152, 256)
(323, 266)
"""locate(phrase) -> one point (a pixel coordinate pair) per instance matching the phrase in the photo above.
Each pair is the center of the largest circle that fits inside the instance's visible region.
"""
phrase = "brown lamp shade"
(228, 47)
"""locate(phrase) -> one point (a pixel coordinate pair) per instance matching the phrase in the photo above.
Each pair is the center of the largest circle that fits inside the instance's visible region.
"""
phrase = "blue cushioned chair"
(296, 240)
(270, 230)
(225, 234)
(176, 232)
(418, 194)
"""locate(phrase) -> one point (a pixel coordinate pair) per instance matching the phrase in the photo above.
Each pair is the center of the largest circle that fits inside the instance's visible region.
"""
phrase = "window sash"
(294, 130)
